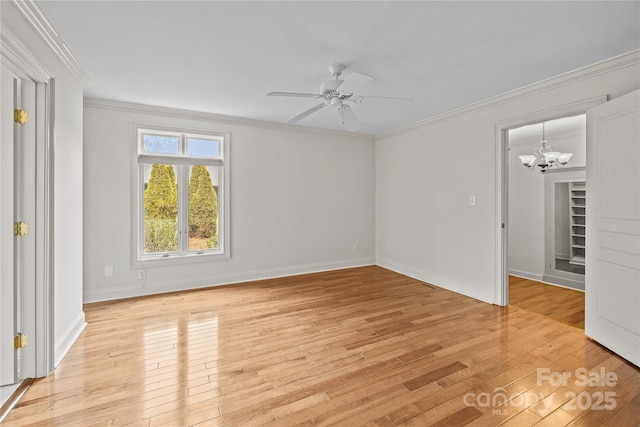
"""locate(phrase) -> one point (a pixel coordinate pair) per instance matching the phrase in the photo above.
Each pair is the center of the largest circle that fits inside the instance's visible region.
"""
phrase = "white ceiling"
(224, 57)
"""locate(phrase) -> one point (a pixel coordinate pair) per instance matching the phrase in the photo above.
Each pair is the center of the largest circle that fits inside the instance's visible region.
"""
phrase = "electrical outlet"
(142, 274)
(108, 271)
(355, 248)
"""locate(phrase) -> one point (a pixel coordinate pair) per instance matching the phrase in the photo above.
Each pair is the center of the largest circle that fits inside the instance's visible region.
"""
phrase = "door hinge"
(20, 116)
(20, 341)
(21, 229)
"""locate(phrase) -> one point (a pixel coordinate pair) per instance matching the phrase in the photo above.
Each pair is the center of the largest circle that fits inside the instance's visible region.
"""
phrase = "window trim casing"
(137, 196)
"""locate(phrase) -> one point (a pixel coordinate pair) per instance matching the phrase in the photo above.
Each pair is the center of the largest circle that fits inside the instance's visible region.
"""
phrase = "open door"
(7, 288)
(612, 282)
(17, 227)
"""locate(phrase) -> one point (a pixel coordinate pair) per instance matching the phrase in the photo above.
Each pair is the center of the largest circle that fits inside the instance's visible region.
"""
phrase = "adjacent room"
(547, 220)
(319, 213)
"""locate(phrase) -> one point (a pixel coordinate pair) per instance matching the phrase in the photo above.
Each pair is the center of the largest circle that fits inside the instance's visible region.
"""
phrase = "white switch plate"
(472, 200)
(108, 271)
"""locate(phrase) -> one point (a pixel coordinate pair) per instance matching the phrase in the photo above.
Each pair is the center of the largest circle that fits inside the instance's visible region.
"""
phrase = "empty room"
(266, 213)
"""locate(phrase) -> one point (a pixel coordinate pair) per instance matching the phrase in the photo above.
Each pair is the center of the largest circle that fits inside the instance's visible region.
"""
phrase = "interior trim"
(176, 113)
(39, 22)
(619, 62)
(226, 279)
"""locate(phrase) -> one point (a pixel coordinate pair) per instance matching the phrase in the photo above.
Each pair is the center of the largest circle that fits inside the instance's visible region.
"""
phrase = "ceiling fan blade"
(349, 119)
(304, 114)
(354, 82)
(365, 99)
(295, 94)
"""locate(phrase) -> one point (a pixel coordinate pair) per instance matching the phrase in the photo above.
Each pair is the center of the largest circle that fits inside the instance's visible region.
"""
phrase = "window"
(182, 205)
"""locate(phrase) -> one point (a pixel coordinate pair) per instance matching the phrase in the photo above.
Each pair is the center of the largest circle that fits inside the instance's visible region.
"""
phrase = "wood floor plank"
(562, 304)
(432, 376)
(360, 346)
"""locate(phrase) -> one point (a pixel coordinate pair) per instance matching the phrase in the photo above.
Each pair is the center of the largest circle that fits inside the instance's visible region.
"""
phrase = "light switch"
(108, 271)
(472, 200)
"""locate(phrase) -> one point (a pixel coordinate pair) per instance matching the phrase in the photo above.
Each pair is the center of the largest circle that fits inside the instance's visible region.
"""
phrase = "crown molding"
(15, 52)
(608, 65)
(39, 22)
(130, 107)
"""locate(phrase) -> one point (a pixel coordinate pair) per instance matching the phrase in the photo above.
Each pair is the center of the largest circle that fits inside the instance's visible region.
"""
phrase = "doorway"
(541, 229)
(565, 220)
(539, 207)
(502, 179)
(26, 219)
(612, 127)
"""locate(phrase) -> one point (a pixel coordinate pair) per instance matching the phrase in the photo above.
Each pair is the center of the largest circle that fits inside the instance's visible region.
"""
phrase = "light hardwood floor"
(361, 346)
(561, 304)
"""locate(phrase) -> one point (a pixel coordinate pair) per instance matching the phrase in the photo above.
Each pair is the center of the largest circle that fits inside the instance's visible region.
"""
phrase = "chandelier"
(545, 157)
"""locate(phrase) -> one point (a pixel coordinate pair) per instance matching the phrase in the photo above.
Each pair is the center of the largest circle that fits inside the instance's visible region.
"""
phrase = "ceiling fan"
(337, 92)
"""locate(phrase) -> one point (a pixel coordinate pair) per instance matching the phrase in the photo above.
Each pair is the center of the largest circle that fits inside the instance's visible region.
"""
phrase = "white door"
(7, 288)
(612, 282)
(17, 254)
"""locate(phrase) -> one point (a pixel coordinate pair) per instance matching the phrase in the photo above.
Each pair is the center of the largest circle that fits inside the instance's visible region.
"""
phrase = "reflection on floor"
(359, 346)
(6, 391)
(565, 265)
(561, 304)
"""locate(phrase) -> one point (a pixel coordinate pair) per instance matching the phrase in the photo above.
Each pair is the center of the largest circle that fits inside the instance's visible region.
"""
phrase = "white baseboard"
(428, 277)
(225, 279)
(63, 345)
(563, 282)
(555, 281)
(526, 275)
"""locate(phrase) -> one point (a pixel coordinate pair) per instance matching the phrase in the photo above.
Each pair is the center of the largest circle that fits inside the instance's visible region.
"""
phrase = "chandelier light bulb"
(563, 158)
(551, 156)
(528, 160)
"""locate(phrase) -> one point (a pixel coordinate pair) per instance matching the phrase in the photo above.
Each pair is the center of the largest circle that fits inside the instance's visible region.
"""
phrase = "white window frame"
(222, 253)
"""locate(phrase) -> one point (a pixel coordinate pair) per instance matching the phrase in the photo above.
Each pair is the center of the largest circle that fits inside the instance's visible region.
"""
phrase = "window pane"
(203, 207)
(160, 209)
(160, 144)
(203, 147)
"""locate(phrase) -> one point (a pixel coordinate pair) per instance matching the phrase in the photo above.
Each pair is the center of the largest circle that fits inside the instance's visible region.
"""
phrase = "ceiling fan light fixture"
(338, 93)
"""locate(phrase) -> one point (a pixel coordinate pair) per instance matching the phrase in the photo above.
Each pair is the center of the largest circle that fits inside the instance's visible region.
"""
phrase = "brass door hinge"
(21, 229)
(20, 116)
(20, 341)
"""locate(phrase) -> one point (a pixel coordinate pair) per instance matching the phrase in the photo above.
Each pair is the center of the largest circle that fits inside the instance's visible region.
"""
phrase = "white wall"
(300, 200)
(67, 192)
(425, 174)
(526, 256)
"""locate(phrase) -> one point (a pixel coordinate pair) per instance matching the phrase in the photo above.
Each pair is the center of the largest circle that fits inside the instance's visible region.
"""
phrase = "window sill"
(157, 261)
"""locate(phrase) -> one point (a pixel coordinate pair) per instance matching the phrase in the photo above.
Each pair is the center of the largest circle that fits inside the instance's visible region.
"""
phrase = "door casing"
(501, 286)
(551, 273)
